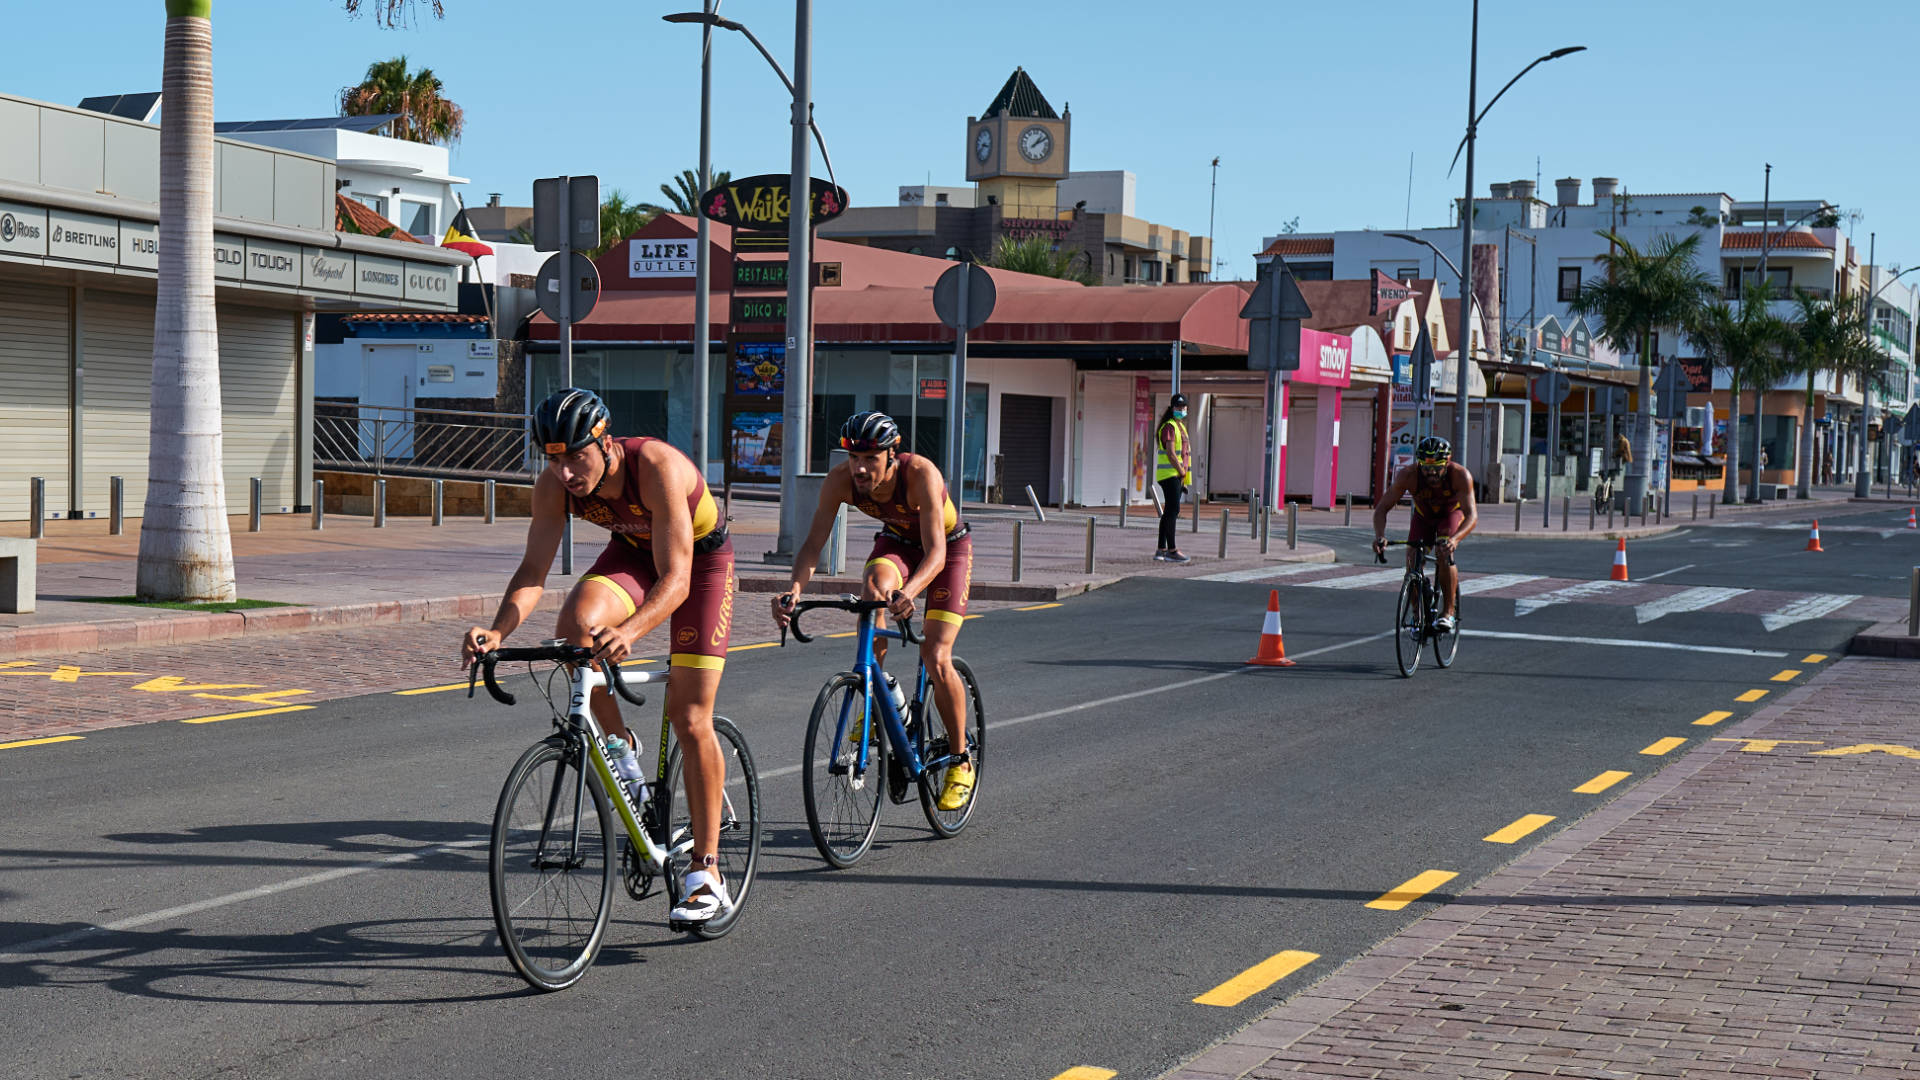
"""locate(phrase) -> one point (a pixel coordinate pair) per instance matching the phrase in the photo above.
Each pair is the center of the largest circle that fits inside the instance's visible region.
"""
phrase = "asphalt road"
(304, 895)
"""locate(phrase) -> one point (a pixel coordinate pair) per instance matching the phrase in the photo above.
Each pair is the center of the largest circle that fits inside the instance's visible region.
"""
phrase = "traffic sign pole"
(956, 393)
(566, 368)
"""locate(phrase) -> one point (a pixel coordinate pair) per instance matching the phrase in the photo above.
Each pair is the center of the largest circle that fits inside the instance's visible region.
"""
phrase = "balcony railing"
(1778, 292)
(421, 442)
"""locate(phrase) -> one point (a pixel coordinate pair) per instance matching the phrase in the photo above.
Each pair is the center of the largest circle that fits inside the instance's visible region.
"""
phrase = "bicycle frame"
(872, 679)
(580, 724)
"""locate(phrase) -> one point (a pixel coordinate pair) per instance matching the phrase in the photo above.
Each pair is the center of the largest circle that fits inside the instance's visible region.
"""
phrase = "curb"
(769, 583)
(1300, 1015)
(189, 627)
(1635, 532)
(1889, 640)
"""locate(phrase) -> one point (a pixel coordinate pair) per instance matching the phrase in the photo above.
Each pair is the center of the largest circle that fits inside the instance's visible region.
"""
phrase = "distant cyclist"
(922, 546)
(669, 561)
(1444, 513)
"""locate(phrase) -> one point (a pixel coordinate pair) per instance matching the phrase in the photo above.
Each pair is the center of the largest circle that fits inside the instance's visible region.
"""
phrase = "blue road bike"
(848, 762)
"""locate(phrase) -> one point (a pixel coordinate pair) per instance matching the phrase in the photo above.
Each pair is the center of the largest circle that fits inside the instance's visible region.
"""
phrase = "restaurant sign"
(765, 202)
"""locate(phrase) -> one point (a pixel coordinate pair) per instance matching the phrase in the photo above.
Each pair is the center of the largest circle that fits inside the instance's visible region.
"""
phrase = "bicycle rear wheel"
(1409, 625)
(738, 852)
(1445, 645)
(948, 823)
(843, 809)
(551, 868)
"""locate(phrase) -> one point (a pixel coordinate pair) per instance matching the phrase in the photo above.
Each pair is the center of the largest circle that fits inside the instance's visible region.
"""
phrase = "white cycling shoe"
(703, 897)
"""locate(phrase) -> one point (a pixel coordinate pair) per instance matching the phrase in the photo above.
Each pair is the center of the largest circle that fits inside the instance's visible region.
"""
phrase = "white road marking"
(1664, 573)
(1806, 607)
(1625, 643)
(1357, 581)
(1684, 600)
(1586, 589)
(1496, 581)
(1263, 573)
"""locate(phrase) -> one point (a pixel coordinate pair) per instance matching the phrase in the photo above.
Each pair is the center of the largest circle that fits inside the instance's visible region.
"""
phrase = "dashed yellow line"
(1712, 718)
(1664, 746)
(1520, 828)
(1411, 889)
(1256, 978)
(848, 633)
(1814, 658)
(1602, 782)
(755, 645)
(1788, 675)
(41, 742)
(242, 715)
(430, 689)
(1751, 696)
(1086, 1072)
(1037, 607)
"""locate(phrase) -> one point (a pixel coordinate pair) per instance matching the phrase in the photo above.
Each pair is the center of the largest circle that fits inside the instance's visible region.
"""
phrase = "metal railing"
(387, 440)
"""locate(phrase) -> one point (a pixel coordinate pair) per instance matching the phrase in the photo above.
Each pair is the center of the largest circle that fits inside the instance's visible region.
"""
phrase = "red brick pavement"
(1748, 911)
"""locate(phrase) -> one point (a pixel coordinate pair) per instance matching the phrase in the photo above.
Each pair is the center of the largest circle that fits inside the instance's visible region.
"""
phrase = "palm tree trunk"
(1642, 430)
(1730, 488)
(1803, 489)
(185, 552)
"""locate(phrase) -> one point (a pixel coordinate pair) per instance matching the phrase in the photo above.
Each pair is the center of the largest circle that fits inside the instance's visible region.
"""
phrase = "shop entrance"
(1026, 447)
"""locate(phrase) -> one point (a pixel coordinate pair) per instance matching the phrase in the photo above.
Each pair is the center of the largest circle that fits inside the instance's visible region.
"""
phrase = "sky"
(1342, 115)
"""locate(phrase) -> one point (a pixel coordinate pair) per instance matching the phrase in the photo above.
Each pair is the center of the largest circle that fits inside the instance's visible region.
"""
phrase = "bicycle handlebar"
(558, 652)
(846, 602)
(1381, 556)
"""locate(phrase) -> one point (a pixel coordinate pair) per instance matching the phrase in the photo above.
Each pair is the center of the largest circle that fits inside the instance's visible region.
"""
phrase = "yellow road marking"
(1761, 746)
(848, 633)
(1870, 748)
(65, 673)
(1751, 696)
(755, 645)
(1037, 607)
(1713, 718)
(1602, 782)
(431, 689)
(1256, 978)
(41, 742)
(170, 684)
(1788, 675)
(264, 697)
(19, 663)
(1521, 827)
(1087, 1072)
(1665, 745)
(240, 715)
(1412, 889)
(1814, 658)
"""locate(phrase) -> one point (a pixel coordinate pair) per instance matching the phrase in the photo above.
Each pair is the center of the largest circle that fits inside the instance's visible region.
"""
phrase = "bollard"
(1266, 528)
(1090, 527)
(36, 507)
(1566, 511)
(1913, 604)
(439, 496)
(1034, 501)
(1125, 498)
(1517, 504)
(117, 499)
(1591, 512)
(380, 504)
(1225, 517)
(1644, 501)
(1196, 515)
(1696, 506)
(837, 546)
(1348, 497)
(1253, 517)
(1713, 507)
(1293, 525)
(1609, 515)
(1016, 549)
(726, 500)
(253, 504)
(319, 505)
(489, 502)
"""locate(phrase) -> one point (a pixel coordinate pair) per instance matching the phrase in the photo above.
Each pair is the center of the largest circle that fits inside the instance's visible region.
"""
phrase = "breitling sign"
(765, 202)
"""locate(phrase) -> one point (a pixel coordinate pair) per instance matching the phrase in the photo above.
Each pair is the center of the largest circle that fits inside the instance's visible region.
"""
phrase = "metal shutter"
(36, 348)
(1026, 446)
(117, 336)
(258, 390)
(1106, 436)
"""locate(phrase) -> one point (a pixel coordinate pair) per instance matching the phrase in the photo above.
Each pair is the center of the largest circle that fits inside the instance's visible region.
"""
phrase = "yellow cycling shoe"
(957, 789)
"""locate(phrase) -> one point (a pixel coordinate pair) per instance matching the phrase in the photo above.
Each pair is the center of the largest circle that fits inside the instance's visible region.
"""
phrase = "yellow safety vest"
(1165, 468)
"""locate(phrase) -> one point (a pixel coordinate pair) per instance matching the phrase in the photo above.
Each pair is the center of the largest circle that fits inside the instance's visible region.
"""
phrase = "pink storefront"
(1309, 432)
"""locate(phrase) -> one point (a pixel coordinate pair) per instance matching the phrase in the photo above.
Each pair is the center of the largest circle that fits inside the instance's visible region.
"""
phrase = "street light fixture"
(714, 20)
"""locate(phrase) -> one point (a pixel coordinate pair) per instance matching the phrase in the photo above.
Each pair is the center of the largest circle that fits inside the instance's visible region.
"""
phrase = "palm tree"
(426, 116)
(1037, 255)
(1750, 342)
(1824, 333)
(1642, 294)
(685, 190)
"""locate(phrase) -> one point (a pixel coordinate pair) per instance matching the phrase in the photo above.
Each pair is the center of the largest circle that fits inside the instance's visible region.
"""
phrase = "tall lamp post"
(1463, 346)
(1459, 349)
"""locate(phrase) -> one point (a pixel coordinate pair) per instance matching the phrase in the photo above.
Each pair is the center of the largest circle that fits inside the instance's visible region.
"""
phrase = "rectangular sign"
(329, 270)
(753, 445)
(272, 263)
(747, 240)
(430, 284)
(23, 229)
(82, 237)
(1325, 359)
(759, 309)
(933, 389)
(481, 350)
(654, 258)
(770, 274)
(140, 244)
(229, 257)
(379, 277)
(759, 368)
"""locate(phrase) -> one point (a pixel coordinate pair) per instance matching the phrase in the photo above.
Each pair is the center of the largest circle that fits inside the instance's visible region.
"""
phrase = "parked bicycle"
(846, 758)
(1605, 486)
(1420, 604)
(555, 850)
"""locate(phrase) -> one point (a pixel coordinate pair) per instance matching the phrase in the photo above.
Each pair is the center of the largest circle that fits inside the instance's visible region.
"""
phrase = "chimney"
(493, 198)
(1568, 191)
(1502, 191)
(1522, 189)
(1605, 187)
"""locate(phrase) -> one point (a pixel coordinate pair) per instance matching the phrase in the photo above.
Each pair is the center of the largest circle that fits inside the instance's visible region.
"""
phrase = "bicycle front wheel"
(1445, 645)
(948, 823)
(843, 806)
(551, 868)
(1409, 624)
(738, 853)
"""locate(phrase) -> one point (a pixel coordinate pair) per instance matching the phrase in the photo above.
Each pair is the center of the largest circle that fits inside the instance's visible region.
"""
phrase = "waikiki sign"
(766, 203)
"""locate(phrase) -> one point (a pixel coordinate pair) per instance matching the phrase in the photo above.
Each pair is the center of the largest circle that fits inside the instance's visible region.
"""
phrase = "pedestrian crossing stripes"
(1806, 607)
(1684, 600)
(1475, 586)
(1267, 573)
(1358, 581)
(1586, 590)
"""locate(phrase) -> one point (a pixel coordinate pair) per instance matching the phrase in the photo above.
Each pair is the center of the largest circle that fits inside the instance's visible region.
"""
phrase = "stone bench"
(17, 574)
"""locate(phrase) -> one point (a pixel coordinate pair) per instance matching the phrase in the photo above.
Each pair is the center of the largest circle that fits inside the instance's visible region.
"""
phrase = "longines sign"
(39, 233)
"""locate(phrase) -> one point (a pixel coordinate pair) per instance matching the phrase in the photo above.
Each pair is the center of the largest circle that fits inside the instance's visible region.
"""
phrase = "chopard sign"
(321, 268)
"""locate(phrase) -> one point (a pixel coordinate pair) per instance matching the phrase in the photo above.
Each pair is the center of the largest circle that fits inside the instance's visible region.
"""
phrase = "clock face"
(1036, 143)
(983, 144)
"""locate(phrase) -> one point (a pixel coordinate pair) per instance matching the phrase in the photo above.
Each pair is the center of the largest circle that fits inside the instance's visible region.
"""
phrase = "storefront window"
(1777, 441)
(635, 384)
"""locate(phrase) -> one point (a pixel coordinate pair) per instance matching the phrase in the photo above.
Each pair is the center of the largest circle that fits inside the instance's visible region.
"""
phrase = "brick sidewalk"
(1751, 910)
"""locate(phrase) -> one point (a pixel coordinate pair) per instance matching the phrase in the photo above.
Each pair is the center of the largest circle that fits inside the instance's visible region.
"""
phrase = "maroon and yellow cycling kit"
(1436, 504)
(701, 626)
(901, 543)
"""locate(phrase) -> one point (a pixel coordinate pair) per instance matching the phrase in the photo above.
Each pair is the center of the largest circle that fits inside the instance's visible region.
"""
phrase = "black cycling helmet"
(569, 420)
(1179, 401)
(869, 431)
(1433, 450)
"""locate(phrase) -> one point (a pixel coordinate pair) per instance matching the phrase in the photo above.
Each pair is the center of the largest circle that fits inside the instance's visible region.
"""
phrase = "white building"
(408, 183)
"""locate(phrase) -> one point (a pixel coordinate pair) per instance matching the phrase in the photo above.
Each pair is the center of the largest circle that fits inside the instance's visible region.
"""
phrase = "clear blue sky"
(1313, 108)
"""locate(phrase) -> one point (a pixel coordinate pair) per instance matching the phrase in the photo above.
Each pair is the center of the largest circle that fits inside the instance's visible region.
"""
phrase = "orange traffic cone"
(1813, 538)
(1911, 523)
(1273, 651)
(1620, 561)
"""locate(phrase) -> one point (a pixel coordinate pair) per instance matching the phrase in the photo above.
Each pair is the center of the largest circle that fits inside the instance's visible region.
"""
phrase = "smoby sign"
(766, 202)
(1325, 359)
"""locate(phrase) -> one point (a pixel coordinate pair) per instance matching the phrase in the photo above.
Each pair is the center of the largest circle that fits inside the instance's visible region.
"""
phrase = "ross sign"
(765, 202)
(933, 389)
(583, 278)
(759, 368)
(654, 258)
(981, 296)
(750, 310)
(1387, 294)
(23, 229)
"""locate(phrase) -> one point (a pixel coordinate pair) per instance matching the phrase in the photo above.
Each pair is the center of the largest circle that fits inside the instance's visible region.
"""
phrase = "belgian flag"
(461, 236)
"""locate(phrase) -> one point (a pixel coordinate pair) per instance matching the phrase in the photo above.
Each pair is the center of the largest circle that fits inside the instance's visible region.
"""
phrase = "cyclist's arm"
(528, 583)
(928, 488)
(1388, 500)
(1469, 507)
(665, 491)
(836, 489)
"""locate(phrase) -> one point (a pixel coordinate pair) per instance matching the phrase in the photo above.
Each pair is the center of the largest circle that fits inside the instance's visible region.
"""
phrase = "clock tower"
(1017, 150)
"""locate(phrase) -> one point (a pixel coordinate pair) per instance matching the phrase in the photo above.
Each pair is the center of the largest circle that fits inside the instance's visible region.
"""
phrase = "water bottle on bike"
(626, 765)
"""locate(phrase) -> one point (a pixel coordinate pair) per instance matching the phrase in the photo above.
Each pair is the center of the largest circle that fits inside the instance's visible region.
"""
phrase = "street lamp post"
(702, 316)
(1420, 392)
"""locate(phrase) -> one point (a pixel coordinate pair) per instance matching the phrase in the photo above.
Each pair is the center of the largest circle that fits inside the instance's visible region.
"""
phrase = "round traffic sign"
(1551, 388)
(980, 296)
(583, 282)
